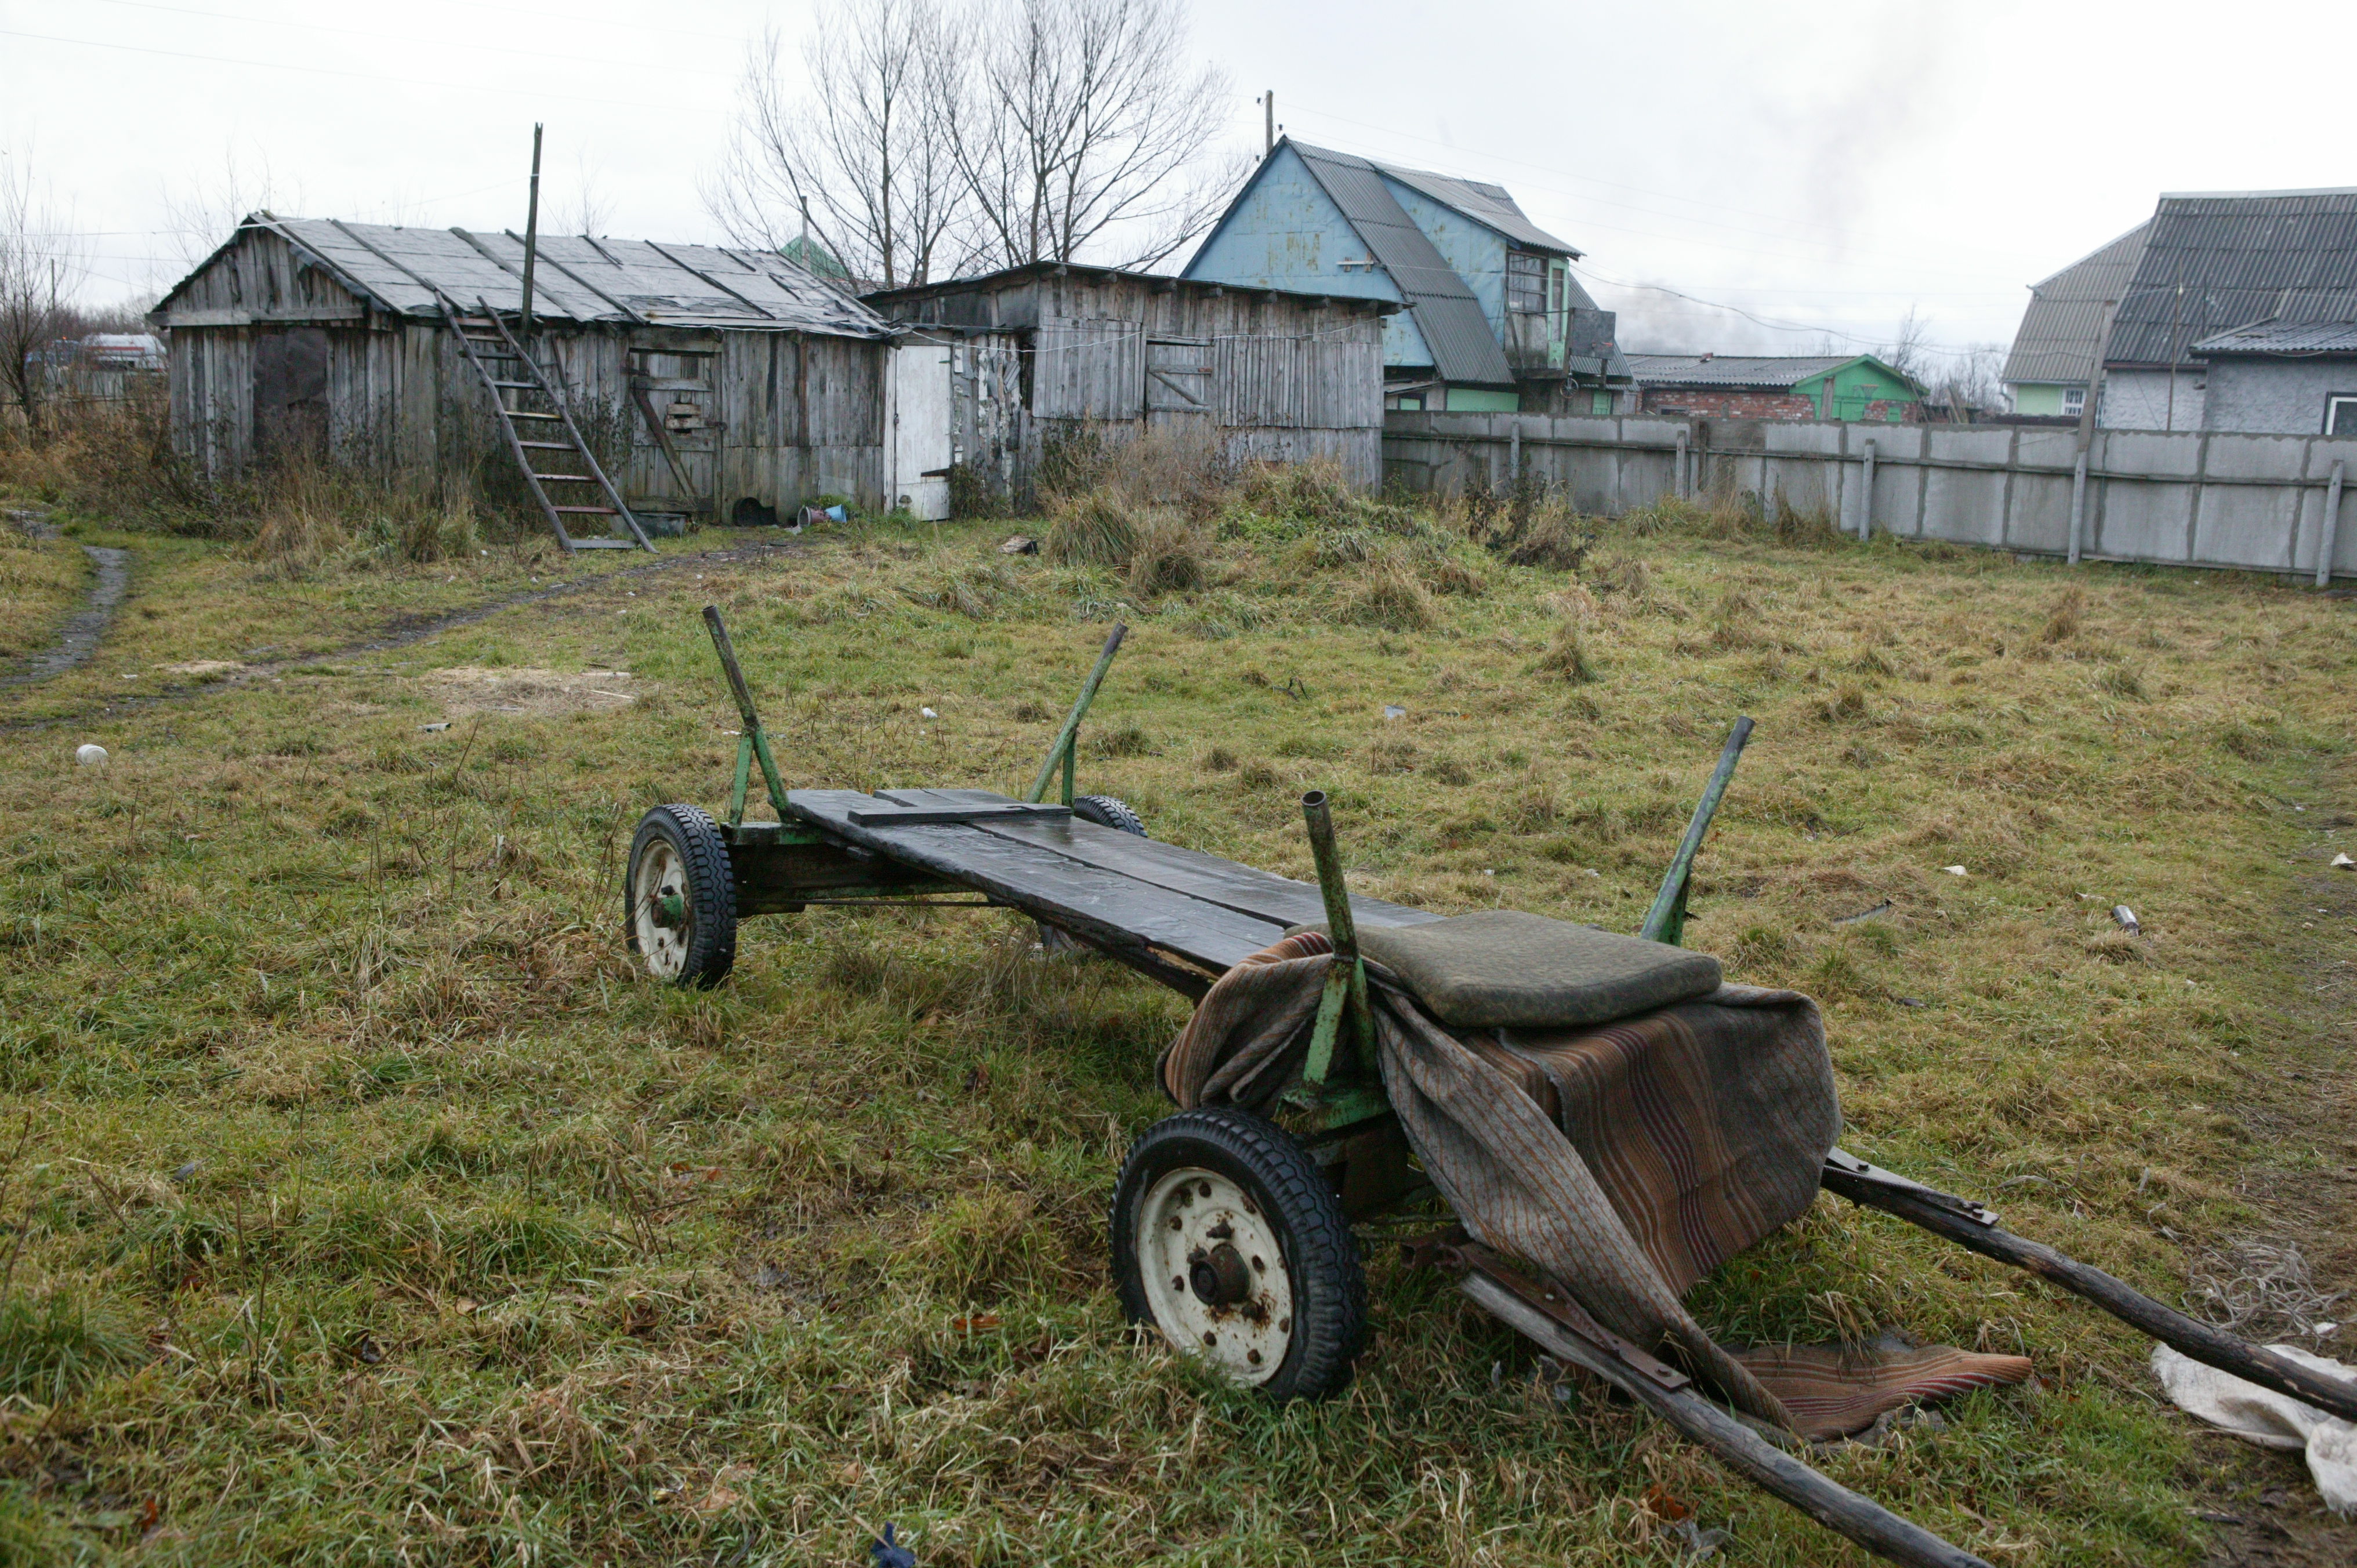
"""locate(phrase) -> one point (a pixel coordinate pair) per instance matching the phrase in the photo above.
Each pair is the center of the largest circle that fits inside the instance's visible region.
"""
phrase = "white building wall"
(2143, 400)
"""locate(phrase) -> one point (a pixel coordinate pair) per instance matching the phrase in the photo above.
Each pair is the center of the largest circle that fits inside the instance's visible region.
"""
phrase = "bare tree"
(859, 159)
(43, 260)
(588, 210)
(204, 211)
(1083, 127)
(1909, 352)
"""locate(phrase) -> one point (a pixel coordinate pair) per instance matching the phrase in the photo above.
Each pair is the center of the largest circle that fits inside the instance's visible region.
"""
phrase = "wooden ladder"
(499, 358)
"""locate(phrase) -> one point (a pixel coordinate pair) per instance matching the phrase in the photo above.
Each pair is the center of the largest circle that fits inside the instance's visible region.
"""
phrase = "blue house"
(1495, 319)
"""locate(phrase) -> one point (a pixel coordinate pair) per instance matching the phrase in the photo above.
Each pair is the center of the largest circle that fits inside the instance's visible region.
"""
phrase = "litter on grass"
(2343, 862)
(1953, 870)
(2126, 919)
(1394, 710)
(90, 755)
(2271, 1419)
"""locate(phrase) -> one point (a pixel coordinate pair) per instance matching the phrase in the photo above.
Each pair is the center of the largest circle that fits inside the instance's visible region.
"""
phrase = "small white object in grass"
(444, 725)
(1394, 710)
(2343, 862)
(1488, 872)
(1953, 870)
(928, 713)
(90, 755)
(2126, 918)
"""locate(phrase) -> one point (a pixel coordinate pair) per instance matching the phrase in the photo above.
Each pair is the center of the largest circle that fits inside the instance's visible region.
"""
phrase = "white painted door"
(917, 437)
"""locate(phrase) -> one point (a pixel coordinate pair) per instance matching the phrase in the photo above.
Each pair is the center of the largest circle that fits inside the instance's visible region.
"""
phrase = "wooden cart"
(1230, 1233)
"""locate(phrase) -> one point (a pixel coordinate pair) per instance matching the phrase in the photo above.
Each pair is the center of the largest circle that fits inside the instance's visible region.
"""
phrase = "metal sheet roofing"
(1484, 203)
(408, 271)
(2063, 326)
(1464, 347)
(2215, 264)
(1767, 372)
(2299, 338)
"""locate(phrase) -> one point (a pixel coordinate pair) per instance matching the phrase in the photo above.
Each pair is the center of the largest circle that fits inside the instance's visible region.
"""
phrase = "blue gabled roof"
(1464, 347)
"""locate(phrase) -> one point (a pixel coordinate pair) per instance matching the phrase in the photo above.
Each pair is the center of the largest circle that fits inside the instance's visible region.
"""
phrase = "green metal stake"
(1068, 738)
(755, 742)
(1666, 920)
(1346, 981)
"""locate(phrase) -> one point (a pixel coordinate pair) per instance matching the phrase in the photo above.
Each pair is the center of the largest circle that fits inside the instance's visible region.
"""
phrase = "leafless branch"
(43, 260)
(855, 159)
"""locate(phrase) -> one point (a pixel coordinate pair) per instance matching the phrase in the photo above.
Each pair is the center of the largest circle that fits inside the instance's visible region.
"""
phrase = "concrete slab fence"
(2264, 503)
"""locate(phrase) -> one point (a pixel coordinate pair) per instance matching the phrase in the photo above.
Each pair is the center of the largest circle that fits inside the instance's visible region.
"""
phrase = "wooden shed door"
(290, 393)
(1178, 381)
(675, 428)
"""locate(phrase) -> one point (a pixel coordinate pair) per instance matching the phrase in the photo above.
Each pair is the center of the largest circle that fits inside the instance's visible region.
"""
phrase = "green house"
(1857, 387)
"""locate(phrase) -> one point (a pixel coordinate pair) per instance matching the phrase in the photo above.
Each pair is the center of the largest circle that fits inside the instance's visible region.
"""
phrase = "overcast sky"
(1821, 167)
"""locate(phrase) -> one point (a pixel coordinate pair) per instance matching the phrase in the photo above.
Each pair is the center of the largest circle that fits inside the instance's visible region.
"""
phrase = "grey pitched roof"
(2297, 338)
(1464, 346)
(2216, 262)
(2063, 326)
(406, 271)
(1768, 371)
(1483, 203)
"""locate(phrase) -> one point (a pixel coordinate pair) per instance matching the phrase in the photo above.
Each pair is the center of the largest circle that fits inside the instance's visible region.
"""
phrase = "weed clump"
(1389, 599)
(53, 1348)
(1567, 656)
(2062, 622)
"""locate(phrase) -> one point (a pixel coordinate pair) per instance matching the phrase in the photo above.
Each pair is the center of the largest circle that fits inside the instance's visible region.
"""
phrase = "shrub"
(1095, 530)
(1388, 598)
(1567, 656)
(1167, 558)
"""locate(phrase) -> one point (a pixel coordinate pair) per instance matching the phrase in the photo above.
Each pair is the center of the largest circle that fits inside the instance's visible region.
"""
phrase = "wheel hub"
(660, 915)
(1213, 1273)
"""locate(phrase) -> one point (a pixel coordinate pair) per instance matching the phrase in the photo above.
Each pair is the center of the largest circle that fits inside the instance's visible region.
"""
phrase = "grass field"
(367, 1206)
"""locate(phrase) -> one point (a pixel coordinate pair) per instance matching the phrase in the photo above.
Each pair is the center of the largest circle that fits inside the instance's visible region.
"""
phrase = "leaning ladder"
(555, 422)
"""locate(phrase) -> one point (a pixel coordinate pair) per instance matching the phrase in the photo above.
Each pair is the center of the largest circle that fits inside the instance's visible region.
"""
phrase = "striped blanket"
(1624, 1161)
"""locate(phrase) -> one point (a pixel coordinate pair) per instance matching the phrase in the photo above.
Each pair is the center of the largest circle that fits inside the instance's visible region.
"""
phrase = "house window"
(1525, 282)
(2074, 401)
(2340, 416)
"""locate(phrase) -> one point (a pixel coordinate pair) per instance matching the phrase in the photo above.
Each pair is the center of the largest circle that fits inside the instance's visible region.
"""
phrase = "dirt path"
(401, 632)
(79, 638)
(2263, 1505)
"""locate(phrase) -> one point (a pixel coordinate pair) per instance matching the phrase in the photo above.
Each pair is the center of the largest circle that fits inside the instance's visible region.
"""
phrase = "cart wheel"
(1106, 812)
(679, 898)
(1228, 1239)
(1109, 812)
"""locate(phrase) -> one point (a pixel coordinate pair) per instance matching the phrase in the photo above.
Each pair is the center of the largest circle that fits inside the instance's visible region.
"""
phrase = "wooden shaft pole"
(744, 694)
(531, 233)
(1340, 923)
(2211, 1347)
(1764, 1465)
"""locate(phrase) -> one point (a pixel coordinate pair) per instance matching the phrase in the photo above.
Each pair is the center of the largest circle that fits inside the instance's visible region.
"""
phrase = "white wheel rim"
(1187, 1217)
(661, 874)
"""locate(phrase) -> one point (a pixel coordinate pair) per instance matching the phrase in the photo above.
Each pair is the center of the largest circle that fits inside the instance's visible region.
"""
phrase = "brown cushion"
(1508, 968)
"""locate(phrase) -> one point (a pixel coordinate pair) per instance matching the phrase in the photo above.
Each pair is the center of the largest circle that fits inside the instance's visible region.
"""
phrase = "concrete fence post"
(1866, 502)
(2078, 506)
(2331, 537)
(1513, 452)
(1678, 476)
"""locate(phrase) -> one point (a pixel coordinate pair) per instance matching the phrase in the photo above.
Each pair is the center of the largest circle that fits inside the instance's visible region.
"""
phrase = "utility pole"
(1268, 121)
(531, 235)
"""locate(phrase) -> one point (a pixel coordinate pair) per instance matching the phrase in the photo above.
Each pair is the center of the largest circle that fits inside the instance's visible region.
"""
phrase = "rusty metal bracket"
(1843, 1170)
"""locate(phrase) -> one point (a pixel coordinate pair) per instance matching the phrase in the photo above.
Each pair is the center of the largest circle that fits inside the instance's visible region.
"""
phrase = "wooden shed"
(721, 381)
(1052, 349)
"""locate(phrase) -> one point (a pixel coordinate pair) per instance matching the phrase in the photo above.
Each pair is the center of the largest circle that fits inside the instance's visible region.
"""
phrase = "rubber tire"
(711, 890)
(1107, 811)
(1322, 1258)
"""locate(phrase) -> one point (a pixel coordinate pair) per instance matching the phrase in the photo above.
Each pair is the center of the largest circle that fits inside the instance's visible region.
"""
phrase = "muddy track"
(401, 632)
(79, 638)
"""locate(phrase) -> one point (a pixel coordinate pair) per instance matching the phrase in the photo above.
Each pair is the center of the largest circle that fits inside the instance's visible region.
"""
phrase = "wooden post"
(2330, 538)
(2078, 504)
(1268, 121)
(1866, 502)
(531, 235)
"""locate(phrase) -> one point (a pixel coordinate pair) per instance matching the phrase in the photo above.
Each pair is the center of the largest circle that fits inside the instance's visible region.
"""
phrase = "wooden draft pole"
(531, 235)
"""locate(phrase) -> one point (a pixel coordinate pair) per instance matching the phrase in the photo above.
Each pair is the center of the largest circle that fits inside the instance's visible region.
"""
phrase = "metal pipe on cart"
(1346, 981)
(755, 742)
(1666, 920)
(1060, 754)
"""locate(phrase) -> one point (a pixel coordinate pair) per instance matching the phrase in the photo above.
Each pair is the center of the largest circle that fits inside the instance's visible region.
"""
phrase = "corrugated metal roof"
(2063, 326)
(2317, 338)
(1482, 202)
(2217, 263)
(884, 299)
(1464, 347)
(1765, 370)
(406, 271)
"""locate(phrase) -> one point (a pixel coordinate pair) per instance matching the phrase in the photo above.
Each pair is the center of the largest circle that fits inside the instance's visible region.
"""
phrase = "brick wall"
(1729, 402)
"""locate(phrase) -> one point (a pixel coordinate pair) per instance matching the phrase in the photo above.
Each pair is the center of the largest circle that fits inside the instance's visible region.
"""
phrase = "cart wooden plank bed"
(1084, 870)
